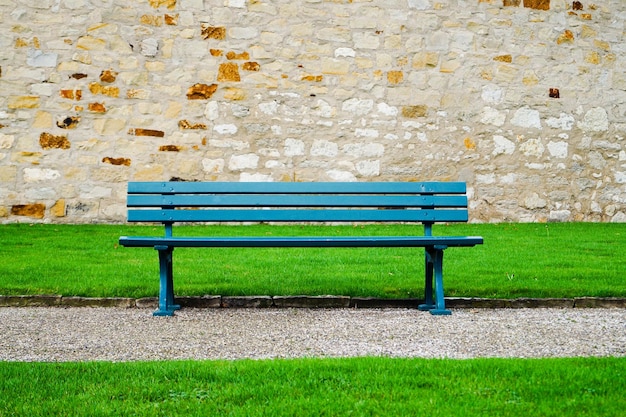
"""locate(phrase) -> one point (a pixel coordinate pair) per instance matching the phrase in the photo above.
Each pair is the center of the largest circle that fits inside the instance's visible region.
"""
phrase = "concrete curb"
(302, 301)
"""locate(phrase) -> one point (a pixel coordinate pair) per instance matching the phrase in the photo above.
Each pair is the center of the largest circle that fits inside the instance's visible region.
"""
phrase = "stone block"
(599, 302)
(247, 302)
(302, 301)
(206, 301)
(30, 300)
(23, 102)
(542, 303)
(371, 302)
(97, 302)
(147, 302)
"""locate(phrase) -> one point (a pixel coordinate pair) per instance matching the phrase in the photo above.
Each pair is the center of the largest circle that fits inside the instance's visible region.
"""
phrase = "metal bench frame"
(323, 202)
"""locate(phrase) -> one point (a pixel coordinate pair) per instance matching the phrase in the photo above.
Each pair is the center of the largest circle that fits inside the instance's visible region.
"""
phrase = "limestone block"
(213, 166)
(335, 66)
(325, 148)
(6, 141)
(527, 118)
(108, 126)
(563, 122)
(243, 32)
(294, 147)
(344, 52)
(242, 162)
(558, 149)
(358, 107)
(339, 175)
(492, 94)
(366, 133)
(420, 4)
(40, 174)
(368, 168)
(595, 120)
(532, 147)
(225, 129)
(23, 102)
(502, 145)
(491, 116)
(533, 202)
(90, 43)
(334, 34)
(365, 40)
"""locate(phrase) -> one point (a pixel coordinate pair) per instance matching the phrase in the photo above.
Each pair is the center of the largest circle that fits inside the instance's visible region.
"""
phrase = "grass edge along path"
(556, 260)
(369, 386)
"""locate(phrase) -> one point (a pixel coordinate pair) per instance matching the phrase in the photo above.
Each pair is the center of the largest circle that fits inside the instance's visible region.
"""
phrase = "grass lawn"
(517, 260)
(530, 260)
(317, 387)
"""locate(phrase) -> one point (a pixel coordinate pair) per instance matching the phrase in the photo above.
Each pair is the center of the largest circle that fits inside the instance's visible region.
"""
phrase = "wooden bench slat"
(297, 200)
(297, 187)
(297, 215)
(302, 242)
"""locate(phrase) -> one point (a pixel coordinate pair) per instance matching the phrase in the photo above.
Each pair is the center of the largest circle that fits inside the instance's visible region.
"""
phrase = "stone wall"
(523, 99)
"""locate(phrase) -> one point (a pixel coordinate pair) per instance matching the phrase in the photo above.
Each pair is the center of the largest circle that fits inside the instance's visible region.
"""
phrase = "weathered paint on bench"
(326, 202)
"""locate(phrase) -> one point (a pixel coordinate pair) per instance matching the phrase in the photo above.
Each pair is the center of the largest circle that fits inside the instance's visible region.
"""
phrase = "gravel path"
(113, 334)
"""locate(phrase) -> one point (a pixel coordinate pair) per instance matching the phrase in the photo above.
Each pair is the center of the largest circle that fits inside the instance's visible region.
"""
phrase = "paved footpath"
(116, 334)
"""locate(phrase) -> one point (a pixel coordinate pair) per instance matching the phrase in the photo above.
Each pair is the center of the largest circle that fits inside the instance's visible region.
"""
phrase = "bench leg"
(166, 287)
(434, 263)
(428, 284)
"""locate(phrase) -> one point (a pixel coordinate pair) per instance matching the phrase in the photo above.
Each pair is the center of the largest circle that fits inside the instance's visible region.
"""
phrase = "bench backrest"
(425, 202)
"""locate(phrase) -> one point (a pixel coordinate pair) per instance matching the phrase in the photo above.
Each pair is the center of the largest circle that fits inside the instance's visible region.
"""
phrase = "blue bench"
(397, 202)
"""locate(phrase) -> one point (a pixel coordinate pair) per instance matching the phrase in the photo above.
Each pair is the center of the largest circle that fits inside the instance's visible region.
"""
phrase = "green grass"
(517, 260)
(317, 387)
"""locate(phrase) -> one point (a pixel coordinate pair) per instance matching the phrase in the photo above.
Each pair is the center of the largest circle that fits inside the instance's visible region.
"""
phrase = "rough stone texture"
(508, 95)
(115, 334)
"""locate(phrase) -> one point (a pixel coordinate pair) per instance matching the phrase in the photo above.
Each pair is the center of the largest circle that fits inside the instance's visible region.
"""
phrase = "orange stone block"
(97, 108)
(58, 209)
(185, 124)
(146, 132)
(69, 122)
(171, 19)
(537, 4)
(395, 77)
(97, 88)
(233, 55)
(116, 161)
(201, 91)
(170, 148)
(313, 78)
(170, 4)
(504, 58)
(71, 94)
(251, 66)
(36, 211)
(228, 71)
(413, 112)
(49, 141)
(213, 32)
(108, 76)
(566, 36)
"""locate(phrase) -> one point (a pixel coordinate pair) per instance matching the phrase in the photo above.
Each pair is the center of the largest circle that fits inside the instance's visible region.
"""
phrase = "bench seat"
(301, 242)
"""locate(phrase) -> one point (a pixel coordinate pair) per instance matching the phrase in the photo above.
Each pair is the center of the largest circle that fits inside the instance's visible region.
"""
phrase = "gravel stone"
(122, 334)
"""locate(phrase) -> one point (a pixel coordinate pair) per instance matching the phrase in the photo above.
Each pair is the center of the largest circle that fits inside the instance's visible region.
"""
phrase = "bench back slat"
(423, 188)
(280, 215)
(170, 202)
(295, 200)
